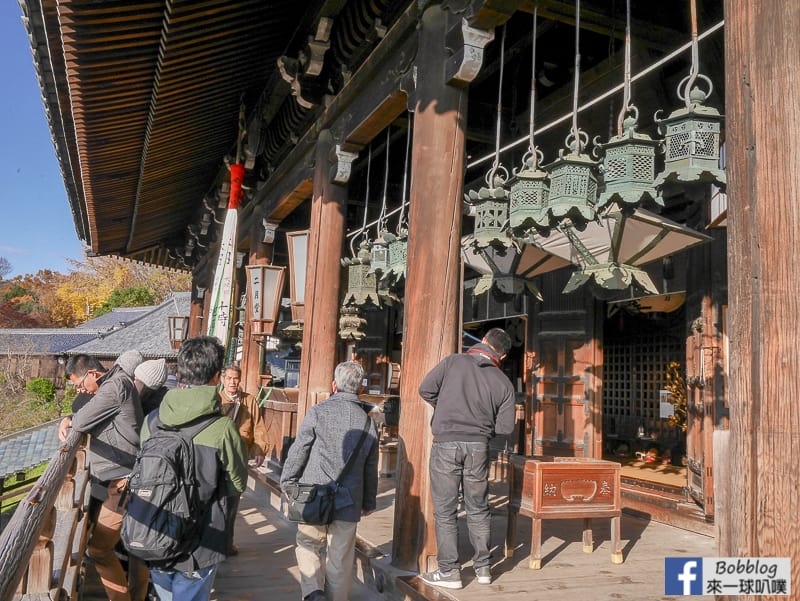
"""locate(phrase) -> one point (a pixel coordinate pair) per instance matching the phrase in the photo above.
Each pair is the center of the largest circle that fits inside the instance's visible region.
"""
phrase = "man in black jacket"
(473, 401)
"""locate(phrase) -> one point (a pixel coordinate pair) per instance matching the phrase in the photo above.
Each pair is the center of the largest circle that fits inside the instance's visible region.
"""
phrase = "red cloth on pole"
(237, 178)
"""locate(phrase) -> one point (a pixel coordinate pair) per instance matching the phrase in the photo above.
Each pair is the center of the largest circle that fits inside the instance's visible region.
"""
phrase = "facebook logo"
(683, 576)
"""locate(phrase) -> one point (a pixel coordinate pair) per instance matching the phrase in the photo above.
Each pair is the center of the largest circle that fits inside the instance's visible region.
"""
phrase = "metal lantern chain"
(491, 201)
(573, 178)
(530, 191)
(361, 284)
(379, 260)
(692, 133)
(628, 166)
(398, 246)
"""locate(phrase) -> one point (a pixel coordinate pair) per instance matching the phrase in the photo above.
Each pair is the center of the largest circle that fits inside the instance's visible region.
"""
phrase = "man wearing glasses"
(113, 417)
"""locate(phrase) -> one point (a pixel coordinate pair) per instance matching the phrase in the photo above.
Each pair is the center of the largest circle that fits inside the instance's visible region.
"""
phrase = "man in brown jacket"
(243, 409)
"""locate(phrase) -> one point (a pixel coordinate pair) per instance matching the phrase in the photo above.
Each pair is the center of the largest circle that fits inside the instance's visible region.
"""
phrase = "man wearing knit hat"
(149, 378)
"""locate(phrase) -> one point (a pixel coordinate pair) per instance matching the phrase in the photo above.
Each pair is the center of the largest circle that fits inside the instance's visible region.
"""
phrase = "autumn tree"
(92, 286)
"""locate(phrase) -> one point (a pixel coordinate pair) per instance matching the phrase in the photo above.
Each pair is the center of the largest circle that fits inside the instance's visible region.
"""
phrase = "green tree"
(134, 296)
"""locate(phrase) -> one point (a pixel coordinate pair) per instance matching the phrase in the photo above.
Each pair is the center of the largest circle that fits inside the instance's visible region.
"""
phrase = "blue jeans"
(464, 464)
(184, 586)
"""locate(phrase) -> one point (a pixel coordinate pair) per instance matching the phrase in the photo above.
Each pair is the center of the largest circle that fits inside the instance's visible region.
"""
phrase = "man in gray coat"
(325, 440)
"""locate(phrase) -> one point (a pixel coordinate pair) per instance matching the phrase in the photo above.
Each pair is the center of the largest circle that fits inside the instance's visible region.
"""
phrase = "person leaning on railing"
(113, 418)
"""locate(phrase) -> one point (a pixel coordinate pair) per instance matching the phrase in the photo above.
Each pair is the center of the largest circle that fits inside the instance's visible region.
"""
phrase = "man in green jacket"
(220, 466)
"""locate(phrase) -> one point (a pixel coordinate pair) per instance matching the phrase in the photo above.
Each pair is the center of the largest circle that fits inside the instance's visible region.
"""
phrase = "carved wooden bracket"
(290, 70)
(318, 46)
(342, 165)
(467, 60)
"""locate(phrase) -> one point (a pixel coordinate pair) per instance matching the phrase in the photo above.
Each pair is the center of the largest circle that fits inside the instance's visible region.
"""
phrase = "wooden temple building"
(651, 292)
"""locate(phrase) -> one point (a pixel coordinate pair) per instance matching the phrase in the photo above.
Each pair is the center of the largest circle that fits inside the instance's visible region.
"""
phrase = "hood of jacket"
(182, 405)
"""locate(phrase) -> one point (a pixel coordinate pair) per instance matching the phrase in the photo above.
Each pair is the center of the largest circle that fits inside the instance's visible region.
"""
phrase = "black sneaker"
(451, 579)
(484, 574)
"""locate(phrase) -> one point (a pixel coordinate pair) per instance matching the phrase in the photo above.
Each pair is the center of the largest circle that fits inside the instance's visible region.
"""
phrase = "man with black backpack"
(191, 465)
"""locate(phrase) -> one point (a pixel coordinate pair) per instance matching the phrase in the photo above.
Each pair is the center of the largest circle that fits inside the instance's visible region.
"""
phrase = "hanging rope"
(626, 90)
(366, 205)
(601, 97)
(404, 202)
(695, 68)
(575, 131)
(531, 144)
(496, 163)
(382, 215)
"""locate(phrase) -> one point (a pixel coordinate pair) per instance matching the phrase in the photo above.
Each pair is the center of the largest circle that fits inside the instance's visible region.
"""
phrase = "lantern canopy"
(612, 250)
(692, 142)
(629, 167)
(264, 289)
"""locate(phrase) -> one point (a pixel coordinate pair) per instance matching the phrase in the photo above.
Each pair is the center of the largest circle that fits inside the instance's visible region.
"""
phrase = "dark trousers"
(466, 465)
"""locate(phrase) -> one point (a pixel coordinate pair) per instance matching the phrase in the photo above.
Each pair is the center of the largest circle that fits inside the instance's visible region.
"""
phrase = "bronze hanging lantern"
(530, 190)
(692, 133)
(491, 210)
(379, 253)
(490, 202)
(529, 196)
(362, 286)
(350, 324)
(573, 176)
(628, 166)
(692, 142)
(573, 183)
(398, 256)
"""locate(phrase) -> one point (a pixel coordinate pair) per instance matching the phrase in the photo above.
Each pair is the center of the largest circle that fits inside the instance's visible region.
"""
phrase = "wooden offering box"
(560, 488)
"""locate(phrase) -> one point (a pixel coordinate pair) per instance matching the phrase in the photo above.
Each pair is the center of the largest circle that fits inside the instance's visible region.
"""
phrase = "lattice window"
(635, 369)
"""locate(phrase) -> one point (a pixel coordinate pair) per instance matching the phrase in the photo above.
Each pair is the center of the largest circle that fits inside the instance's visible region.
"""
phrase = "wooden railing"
(42, 547)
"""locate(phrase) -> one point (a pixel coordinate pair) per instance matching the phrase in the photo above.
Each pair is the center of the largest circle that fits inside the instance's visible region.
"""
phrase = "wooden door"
(565, 416)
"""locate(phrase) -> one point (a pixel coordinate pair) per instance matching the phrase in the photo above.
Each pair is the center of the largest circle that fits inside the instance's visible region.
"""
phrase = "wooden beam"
(762, 87)
(596, 19)
(433, 285)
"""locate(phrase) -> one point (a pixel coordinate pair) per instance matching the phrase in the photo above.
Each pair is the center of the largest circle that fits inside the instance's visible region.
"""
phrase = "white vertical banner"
(219, 319)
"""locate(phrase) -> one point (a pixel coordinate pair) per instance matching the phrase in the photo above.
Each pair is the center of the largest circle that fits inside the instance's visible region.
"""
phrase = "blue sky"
(36, 229)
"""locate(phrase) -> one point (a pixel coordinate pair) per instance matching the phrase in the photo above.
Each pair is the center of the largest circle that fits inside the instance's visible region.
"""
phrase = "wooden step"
(663, 503)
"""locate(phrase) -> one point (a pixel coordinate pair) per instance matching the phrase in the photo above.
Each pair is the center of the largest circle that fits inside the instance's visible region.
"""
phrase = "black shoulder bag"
(313, 503)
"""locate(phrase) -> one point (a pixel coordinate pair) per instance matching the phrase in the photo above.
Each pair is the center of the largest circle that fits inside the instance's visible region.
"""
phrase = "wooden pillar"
(762, 87)
(321, 323)
(260, 254)
(433, 284)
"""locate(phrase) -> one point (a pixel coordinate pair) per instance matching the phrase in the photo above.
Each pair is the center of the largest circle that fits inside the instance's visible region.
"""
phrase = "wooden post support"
(323, 270)
(762, 138)
(433, 285)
